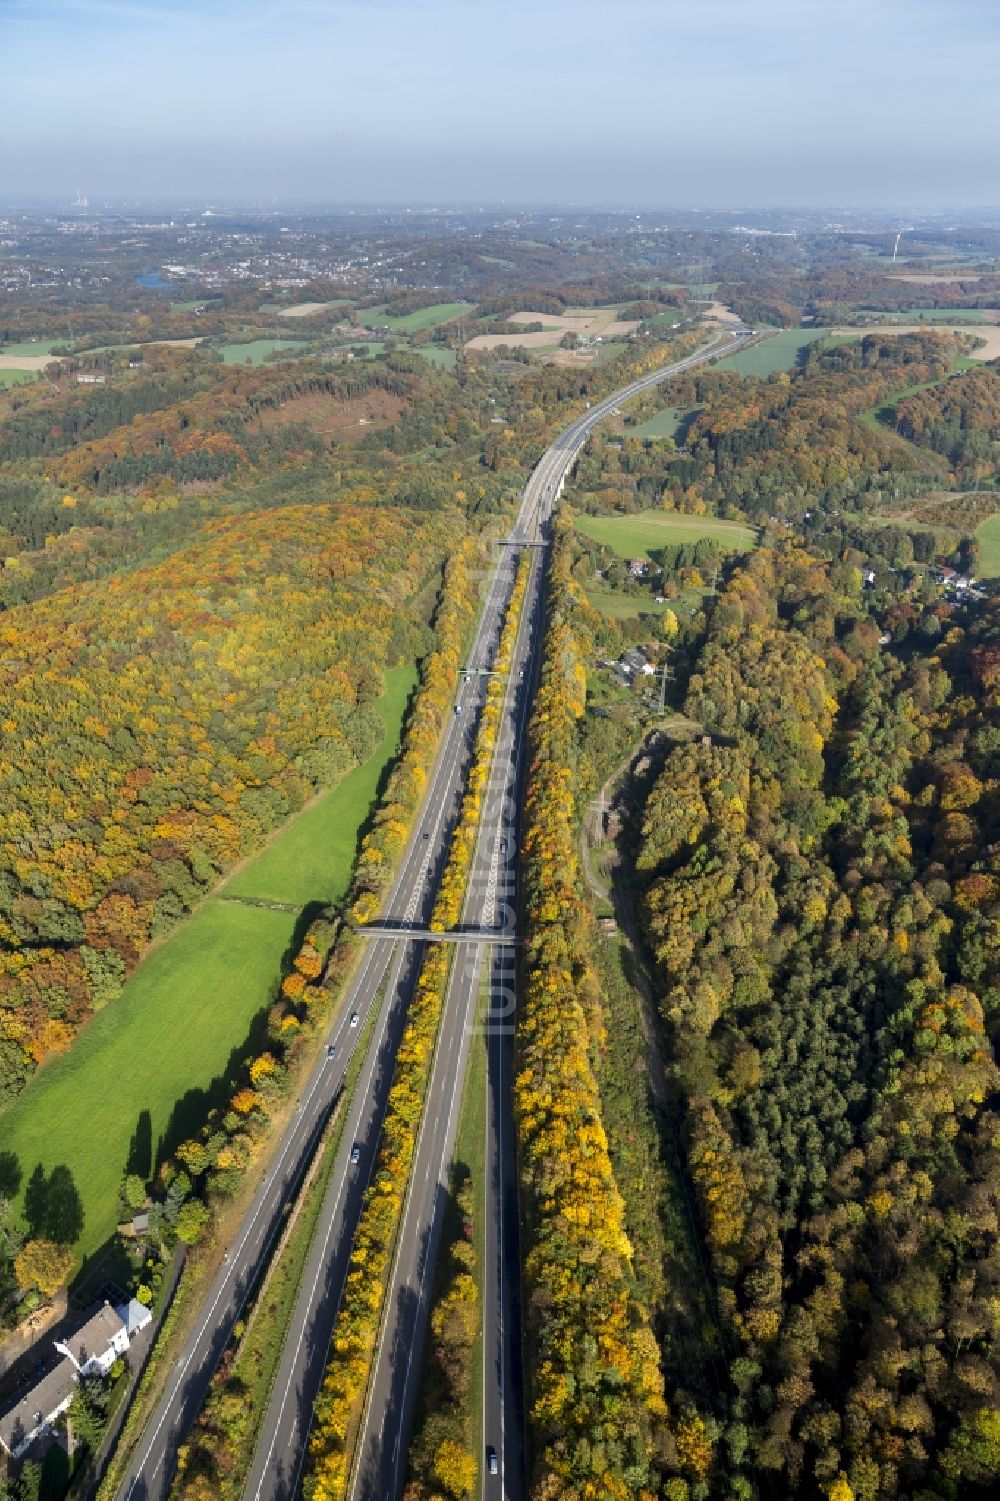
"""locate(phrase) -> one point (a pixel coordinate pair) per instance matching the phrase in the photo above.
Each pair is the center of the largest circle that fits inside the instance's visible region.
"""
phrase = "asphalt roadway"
(384, 978)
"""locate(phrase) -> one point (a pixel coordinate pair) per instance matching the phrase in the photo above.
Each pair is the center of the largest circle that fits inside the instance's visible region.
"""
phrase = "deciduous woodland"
(818, 877)
(756, 1125)
(821, 884)
(154, 734)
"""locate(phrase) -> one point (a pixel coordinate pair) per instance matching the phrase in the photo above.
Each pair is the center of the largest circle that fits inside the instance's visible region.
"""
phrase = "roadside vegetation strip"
(214, 1158)
(340, 1403)
(449, 1422)
(593, 1358)
(386, 840)
(448, 907)
(217, 1458)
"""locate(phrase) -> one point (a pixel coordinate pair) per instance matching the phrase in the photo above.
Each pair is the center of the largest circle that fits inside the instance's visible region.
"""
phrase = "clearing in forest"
(633, 536)
(988, 537)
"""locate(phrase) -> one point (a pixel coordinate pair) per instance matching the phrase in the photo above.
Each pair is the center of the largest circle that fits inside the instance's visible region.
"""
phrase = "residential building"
(90, 1351)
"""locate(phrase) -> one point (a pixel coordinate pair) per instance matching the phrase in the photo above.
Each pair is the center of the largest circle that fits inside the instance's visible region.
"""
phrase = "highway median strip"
(340, 1403)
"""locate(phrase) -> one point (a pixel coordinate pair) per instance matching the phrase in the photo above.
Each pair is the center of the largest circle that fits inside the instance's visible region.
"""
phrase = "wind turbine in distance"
(902, 230)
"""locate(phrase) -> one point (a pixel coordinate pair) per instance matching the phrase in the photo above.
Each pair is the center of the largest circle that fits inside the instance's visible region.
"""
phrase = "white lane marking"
(573, 446)
(375, 951)
(450, 763)
(229, 1274)
(361, 1099)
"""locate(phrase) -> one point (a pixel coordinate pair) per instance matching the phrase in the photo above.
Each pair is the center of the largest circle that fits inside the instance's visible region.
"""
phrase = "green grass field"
(257, 350)
(988, 536)
(311, 857)
(618, 606)
(411, 323)
(931, 315)
(438, 354)
(191, 1001)
(16, 377)
(661, 425)
(31, 346)
(631, 536)
(780, 352)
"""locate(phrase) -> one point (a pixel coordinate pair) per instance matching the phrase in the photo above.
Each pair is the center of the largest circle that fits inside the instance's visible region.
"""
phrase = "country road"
(384, 980)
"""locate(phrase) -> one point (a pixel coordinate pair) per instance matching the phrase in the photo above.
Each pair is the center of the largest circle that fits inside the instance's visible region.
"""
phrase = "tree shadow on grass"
(140, 1151)
(368, 822)
(10, 1175)
(53, 1209)
(191, 1111)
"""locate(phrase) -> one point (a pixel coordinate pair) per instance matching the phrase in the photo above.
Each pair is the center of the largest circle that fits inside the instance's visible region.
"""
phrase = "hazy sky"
(652, 102)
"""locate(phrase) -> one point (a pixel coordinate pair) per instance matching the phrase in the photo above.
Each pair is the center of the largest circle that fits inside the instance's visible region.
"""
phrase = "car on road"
(354, 1018)
(355, 1153)
(331, 1049)
(503, 846)
(492, 1464)
(458, 708)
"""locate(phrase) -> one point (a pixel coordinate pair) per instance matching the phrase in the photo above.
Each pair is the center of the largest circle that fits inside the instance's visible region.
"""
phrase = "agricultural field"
(304, 309)
(411, 323)
(28, 347)
(169, 1039)
(988, 537)
(256, 351)
(937, 315)
(780, 352)
(928, 278)
(589, 323)
(15, 377)
(439, 354)
(632, 536)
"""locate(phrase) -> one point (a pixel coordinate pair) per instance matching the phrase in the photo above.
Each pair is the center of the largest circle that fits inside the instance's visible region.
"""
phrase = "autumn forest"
(755, 1077)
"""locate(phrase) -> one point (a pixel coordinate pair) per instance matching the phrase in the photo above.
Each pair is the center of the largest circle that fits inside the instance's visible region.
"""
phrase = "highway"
(152, 1464)
(380, 1459)
(384, 979)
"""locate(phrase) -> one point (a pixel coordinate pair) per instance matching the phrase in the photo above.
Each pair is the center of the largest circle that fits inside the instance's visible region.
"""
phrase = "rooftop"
(93, 1338)
(44, 1399)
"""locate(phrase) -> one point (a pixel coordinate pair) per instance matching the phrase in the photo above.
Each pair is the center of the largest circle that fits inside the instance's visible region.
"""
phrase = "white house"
(90, 1351)
(96, 1346)
(134, 1315)
(38, 1410)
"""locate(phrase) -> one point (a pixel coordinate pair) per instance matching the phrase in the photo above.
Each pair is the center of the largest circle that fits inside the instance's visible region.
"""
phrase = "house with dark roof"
(38, 1409)
(90, 1350)
(97, 1344)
